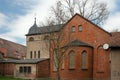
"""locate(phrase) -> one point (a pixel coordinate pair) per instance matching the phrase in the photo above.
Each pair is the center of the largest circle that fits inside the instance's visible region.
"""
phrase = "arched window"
(31, 54)
(46, 37)
(73, 28)
(72, 59)
(84, 60)
(31, 39)
(80, 28)
(55, 62)
(1, 56)
(38, 54)
(34, 54)
(63, 61)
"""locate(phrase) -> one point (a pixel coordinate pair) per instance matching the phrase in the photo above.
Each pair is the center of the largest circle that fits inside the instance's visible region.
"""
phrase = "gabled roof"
(115, 39)
(89, 22)
(34, 30)
(12, 49)
(77, 43)
(26, 61)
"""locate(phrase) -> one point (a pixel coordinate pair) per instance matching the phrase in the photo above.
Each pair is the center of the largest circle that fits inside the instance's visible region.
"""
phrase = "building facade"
(37, 46)
(88, 52)
(115, 56)
(32, 68)
(85, 57)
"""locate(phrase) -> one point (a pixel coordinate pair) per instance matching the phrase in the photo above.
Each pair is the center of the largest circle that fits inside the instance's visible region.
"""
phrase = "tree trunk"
(58, 74)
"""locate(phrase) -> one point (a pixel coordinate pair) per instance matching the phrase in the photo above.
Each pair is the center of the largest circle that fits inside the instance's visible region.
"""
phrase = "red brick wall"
(7, 69)
(43, 69)
(77, 72)
(94, 36)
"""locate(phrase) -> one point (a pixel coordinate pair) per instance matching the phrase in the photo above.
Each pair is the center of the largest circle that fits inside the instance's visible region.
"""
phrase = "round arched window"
(31, 39)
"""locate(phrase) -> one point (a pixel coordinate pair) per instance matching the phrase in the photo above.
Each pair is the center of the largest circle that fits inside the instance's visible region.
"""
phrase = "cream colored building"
(37, 46)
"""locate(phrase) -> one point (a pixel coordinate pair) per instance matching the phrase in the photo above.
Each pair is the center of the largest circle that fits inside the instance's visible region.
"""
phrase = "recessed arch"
(84, 59)
(71, 59)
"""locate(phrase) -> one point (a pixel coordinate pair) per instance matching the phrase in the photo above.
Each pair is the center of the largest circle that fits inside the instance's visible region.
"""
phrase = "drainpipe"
(36, 71)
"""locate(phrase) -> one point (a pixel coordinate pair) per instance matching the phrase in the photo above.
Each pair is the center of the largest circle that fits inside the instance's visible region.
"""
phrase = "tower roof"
(46, 29)
(34, 29)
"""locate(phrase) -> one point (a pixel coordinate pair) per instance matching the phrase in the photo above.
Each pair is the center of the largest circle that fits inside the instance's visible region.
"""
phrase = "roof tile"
(12, 48)
(78, 43)
(115, 39)
(46, 29)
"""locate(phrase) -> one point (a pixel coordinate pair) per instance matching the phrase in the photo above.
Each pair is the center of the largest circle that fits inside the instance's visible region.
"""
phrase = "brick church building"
(85, 57)
(89, 51)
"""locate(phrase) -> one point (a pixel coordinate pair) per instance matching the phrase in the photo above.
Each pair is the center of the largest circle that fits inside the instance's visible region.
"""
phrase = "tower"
(36, 45)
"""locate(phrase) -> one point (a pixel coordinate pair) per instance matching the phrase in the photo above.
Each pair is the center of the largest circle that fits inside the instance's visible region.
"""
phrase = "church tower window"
(31, 39)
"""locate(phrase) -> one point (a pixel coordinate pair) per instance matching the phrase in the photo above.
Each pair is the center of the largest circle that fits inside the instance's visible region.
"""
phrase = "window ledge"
(62, 69)
(71, 68)
(84, 68)
(54, 71)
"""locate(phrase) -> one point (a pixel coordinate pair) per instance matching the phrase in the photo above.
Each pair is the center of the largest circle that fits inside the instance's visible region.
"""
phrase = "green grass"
(9, 78)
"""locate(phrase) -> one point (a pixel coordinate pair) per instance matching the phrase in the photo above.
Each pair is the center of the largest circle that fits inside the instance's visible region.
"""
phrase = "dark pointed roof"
(77, 43)
(34, 29)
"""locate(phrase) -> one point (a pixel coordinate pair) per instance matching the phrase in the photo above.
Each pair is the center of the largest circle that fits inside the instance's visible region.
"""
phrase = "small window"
(80, 28)
(46, 37)
(34, 54)
(25, 69)
(73, 28)
(38, 54)
(29, 69)
(1, 56)
(31, 54)
(31, 39)
(21, 70)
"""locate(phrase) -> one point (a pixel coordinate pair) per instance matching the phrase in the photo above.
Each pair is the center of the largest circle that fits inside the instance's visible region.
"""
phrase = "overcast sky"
(17, 16)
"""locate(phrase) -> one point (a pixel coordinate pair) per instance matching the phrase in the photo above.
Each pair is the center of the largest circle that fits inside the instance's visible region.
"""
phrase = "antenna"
(35, 17)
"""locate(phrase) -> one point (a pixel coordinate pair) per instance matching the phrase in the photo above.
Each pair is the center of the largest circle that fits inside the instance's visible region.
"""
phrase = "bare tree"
(115, 30)
(57, 54)
(57, 50)
(93, 10)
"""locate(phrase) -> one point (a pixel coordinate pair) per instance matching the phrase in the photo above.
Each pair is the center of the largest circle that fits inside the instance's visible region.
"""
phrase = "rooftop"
(12, 49)
(78, 43)
(115, 39)
(34, 30)
(26, 61)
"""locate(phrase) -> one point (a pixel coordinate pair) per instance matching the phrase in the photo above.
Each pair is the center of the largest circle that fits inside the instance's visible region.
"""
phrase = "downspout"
(36, 70)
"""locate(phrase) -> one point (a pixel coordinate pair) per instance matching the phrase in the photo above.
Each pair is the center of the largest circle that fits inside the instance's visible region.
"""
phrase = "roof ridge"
(77, 42)
(12, 42)
(50, 25)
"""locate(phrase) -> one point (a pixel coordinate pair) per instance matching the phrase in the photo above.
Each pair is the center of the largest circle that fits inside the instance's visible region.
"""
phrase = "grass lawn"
(9, 78)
